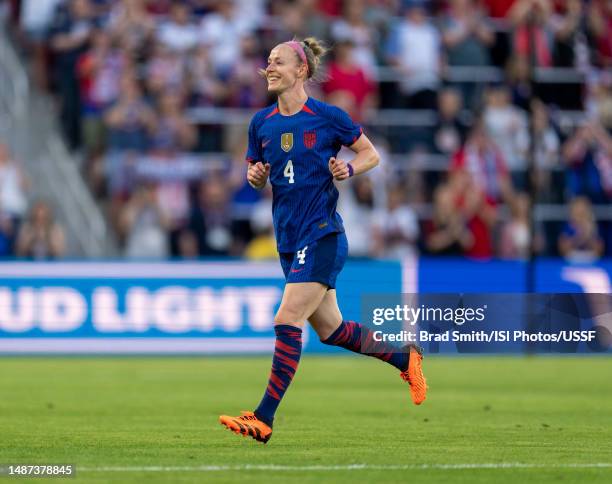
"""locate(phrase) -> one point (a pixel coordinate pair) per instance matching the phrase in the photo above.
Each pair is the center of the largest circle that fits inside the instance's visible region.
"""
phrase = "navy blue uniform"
(298, 148)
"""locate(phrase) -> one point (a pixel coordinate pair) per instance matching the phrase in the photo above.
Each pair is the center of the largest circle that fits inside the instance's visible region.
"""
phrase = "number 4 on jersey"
(288, 172)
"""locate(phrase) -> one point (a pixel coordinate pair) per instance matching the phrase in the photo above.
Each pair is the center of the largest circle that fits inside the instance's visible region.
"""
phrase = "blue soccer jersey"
(298, 148)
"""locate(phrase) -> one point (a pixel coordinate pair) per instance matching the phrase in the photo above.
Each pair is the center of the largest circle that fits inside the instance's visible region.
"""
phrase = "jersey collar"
(306, 108)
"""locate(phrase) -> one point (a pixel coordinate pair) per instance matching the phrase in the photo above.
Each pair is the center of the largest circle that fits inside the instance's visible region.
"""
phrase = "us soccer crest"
(287, 141)
(310, 138)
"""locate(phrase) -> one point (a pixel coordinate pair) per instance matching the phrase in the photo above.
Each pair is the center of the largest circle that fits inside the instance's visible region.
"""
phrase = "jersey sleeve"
(254, 149)
(345, 129)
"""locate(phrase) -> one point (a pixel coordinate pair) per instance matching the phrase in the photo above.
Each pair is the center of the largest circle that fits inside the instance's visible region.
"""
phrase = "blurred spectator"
(414, 178)
(129, 122)
(395, 230)
(588, 154)
(7, 234)
(36, 17)
(133, 27)
(143, 225)
(450, 130)
(599, 100)
(263, 245)
(466, 34)
(515, 237)
(245, 87)
(173, 132)
(99, 71)
(447, 233)
(287, 22)
(477, 211)
(531, 19)
(345, 78)
(222, 30)
(580, 240)
(13, 203)
(380, 15)
(187, 245)
(40, 237)
(178, 33)
(519, 81)
(483, 163)
(130, 119)
(253, 10)
(315, 24)
(353, 27)
(414, 50)
(498, 9)
(102, 9)
(507, 127)
(356, 206)
(546, 137)
(210, 218)
(205, 87)
(244, 197)
(383, 176)
(467, 38)
(71, 30)
(159, 8)
(13, 187)
(173, 195)
(5, 12)
(568, 33)
(166, 71)
(599, 28)
(546, 151)
(331, 8)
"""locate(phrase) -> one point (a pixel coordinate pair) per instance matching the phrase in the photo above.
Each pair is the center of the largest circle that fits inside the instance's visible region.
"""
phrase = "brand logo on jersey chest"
(287, 141)
(310, 139)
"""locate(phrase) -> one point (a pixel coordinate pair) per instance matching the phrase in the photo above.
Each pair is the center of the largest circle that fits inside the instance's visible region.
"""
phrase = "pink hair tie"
(299, 50)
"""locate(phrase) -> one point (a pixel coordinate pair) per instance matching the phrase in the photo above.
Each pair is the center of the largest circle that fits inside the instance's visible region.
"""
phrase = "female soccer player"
(294, 143)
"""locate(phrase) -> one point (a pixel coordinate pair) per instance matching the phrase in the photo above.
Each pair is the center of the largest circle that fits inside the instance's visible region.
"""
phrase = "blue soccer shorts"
(318, 261)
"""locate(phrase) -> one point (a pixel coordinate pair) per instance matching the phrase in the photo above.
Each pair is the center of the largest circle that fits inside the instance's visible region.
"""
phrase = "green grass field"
(140, 415)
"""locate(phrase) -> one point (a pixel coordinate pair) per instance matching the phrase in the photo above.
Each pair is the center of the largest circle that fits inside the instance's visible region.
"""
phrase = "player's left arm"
(366, 159)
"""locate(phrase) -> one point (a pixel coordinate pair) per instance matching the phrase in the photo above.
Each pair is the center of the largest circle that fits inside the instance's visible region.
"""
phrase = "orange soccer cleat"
(247, 424)
(414, 375)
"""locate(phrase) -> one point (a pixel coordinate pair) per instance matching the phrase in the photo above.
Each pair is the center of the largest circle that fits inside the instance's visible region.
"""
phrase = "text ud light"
(171, 309)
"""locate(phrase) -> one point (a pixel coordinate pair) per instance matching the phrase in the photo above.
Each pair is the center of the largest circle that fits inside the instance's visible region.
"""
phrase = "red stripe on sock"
(343, 336)
(272, 392)
(278, 382)
(287, 361)
(286, 348)
(376, 348)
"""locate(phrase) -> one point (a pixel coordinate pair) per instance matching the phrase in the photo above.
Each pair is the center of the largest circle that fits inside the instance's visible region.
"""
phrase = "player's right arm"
(352, 136)
(366, 159)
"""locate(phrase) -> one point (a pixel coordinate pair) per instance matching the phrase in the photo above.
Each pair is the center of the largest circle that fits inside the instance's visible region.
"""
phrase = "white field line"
(347, 467)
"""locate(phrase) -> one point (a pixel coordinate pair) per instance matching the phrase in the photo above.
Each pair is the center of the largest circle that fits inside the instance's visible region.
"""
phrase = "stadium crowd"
(130, 77)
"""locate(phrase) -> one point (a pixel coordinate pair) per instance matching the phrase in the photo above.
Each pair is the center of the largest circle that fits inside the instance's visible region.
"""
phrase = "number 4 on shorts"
(301, 255)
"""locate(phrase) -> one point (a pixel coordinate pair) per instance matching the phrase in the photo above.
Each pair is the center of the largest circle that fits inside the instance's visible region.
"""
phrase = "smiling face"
(284, 69)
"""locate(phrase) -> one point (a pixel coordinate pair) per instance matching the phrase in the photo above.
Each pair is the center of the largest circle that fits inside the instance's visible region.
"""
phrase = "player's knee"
(290, 313)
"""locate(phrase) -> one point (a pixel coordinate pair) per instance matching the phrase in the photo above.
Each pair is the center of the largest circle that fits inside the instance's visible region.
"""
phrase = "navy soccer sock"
(356, 337)
(287, 351)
